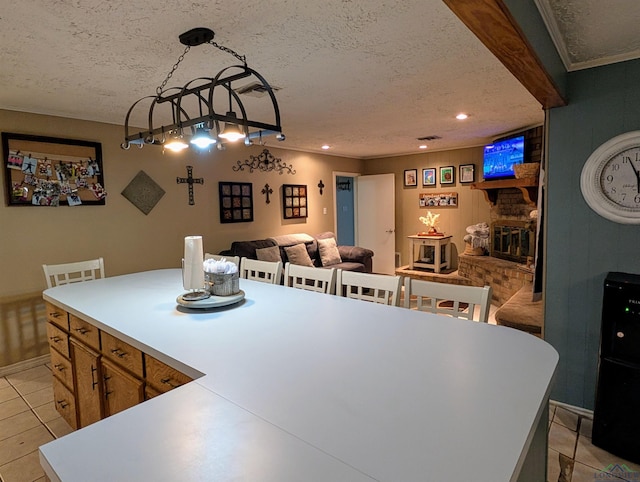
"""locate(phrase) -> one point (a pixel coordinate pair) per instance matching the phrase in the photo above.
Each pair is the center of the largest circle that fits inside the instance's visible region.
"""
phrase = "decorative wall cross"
(267, 190)
(321, 186)
(191, 181)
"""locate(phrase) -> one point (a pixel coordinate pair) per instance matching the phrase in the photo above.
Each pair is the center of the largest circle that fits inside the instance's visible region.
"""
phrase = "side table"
(434, 252)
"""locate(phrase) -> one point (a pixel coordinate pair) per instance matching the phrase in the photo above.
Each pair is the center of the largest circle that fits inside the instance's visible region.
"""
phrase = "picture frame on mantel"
(467, 173)
(52, 171)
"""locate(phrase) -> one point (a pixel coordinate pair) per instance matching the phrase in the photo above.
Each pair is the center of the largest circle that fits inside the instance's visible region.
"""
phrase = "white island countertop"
(300, 386)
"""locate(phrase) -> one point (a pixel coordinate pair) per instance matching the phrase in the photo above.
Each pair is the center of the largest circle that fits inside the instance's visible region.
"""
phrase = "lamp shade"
(202, 138)
(231, 131)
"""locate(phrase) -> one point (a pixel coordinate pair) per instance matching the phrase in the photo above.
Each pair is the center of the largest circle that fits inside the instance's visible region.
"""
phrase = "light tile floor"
(28, 419)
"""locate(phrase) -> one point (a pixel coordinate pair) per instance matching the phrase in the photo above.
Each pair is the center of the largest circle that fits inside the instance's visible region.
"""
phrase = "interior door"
(375, 219)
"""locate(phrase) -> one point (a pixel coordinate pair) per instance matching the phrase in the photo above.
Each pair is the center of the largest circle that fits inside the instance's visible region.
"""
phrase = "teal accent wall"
(583, 247)
(528, 17)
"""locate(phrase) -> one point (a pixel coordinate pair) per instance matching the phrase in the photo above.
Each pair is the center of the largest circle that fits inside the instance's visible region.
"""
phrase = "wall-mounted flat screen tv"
(501, 156)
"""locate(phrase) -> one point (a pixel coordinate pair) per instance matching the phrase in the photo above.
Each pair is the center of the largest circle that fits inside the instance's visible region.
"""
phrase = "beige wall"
(127, 239)
(472, 207)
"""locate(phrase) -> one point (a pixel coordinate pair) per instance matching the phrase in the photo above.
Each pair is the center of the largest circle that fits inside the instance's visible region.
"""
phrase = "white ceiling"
(367, 78)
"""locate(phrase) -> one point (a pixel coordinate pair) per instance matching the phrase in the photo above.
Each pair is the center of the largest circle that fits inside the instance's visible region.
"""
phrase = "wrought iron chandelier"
(195, 121)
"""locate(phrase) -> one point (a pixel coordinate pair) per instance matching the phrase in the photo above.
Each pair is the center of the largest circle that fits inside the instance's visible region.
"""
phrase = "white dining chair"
(218, 257)
(264, 271)
(458, 301)
(378, 288)
(322, 280)
(77, 272)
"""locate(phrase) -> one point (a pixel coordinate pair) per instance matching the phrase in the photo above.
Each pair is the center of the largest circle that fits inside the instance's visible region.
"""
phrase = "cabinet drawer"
(65, 403)
(82, 330)
(61, 369)
(122, 353)
(57, 316)
(58, 339)
(162, 377)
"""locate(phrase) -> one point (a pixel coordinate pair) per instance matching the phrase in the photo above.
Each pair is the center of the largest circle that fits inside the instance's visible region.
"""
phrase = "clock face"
(619, 179)
(610, 180)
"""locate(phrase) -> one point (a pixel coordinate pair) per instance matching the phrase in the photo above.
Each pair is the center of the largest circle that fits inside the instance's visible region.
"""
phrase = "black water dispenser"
(616, 418)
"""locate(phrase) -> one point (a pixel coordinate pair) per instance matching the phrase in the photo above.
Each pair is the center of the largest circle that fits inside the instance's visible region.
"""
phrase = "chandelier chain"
(241, 58)
(161, 87)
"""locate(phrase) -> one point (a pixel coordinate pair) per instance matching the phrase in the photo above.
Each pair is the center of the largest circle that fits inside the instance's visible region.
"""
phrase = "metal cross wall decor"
(191, 181)
(267, 190)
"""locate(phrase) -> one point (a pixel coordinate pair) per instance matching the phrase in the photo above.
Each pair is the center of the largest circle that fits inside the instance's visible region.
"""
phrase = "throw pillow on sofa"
(272, 253)
(329, 254)
(297, 254)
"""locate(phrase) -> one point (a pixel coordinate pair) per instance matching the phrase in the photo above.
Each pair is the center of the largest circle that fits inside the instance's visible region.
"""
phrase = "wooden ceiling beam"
(493, 24)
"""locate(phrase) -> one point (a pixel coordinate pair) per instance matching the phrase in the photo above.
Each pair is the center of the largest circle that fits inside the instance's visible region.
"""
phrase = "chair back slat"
(77, 272)
(322, 280)
(263, 271)
(446, 299)
(377, 288)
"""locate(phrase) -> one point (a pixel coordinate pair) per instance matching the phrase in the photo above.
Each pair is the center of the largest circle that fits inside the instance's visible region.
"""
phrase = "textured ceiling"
(367, 78)
(588, 33)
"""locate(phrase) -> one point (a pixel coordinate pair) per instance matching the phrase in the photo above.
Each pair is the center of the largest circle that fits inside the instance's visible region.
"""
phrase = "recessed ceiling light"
(325, 147)
(461, 116)
(423, 146)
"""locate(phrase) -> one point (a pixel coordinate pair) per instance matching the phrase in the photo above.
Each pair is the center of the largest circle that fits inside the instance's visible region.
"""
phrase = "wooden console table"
(438, 244)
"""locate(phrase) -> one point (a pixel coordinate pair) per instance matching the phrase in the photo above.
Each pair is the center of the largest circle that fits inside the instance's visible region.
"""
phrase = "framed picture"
(50, 171)
(429, 177)
(410, 177)
(294, 201)
(236, 202)
(446, 175)
(467, 173)
(442, 199)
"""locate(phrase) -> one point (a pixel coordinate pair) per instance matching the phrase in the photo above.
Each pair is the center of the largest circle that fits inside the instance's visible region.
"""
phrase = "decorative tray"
(212, 301)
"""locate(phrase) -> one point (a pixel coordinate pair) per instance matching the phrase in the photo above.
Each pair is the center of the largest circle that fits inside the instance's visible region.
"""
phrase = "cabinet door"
(86, 366)
(121, 390)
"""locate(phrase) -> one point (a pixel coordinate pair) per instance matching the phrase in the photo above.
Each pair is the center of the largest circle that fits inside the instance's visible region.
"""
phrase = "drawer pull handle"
(82, 330)
(167, 381)
(94, 382)
(107, 392)
(55, 314)
(59, 367)
(119, 353)
(62, 403)
(55, 339)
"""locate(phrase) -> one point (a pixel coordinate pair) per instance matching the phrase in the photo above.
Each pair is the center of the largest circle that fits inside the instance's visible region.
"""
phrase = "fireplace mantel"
(528, 186)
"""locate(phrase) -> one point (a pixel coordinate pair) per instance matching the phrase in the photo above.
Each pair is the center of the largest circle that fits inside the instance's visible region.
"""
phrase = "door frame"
(354, 175)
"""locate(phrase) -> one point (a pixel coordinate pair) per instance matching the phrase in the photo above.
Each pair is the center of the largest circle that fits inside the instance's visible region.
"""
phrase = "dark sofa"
(354, 258)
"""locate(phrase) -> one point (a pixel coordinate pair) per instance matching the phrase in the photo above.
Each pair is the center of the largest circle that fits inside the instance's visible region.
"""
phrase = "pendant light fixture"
(207, 125)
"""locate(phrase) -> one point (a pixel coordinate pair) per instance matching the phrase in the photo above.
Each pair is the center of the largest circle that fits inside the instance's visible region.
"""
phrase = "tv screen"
(500, 157)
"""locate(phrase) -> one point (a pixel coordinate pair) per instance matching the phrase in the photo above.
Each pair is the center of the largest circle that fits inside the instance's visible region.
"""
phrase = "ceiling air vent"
(429, 138)
(254, 89)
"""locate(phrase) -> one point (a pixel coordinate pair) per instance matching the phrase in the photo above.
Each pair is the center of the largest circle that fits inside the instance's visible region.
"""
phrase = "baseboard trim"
(578, 410)
(24, 365)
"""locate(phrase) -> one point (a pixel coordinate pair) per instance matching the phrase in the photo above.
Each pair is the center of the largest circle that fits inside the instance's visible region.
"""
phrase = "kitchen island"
(291, 385)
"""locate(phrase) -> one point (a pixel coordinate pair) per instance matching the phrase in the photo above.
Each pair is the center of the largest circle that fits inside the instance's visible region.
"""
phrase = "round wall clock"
(610, 180)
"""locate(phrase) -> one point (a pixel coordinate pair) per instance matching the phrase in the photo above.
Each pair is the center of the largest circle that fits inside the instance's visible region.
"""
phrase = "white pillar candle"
(192, 271)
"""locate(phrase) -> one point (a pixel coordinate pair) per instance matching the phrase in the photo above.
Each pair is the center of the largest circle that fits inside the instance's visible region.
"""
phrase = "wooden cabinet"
(65, 403)
(121, 390)
(95, 374)
(161, 377)
(88, 377)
